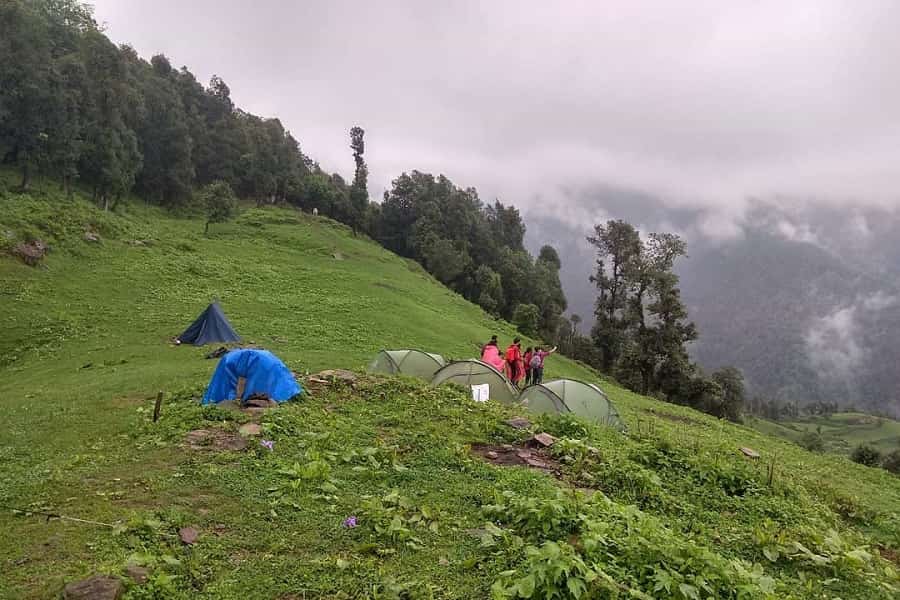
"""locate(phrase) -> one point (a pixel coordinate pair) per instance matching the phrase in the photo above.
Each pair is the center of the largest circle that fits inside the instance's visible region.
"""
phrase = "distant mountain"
(805, 302)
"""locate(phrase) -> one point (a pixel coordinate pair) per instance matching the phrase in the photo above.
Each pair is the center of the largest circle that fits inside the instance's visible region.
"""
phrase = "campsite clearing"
(367, 489)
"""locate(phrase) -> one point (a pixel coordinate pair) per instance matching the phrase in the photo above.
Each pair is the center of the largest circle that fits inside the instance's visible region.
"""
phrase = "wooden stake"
(156, 408)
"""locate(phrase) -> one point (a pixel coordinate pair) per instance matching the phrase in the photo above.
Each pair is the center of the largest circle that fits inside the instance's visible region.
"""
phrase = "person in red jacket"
(514, 365)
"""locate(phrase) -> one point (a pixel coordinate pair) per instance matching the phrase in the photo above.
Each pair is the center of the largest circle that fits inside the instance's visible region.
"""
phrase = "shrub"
(812, 441)
(220, 203)
(892, 462)
(865, 454)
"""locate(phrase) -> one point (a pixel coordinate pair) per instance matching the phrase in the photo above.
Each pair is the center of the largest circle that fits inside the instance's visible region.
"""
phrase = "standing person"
(515, 368)
(537, 364)
(493, 341)
(526, 360)
(490, 354)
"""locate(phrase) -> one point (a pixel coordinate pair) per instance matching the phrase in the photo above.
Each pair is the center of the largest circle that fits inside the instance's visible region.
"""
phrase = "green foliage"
(892, 462)
(812, 441)
(475, 249)
(83, 373)
(219, 201)
(527, 318)
(866, 455)
(620, 552)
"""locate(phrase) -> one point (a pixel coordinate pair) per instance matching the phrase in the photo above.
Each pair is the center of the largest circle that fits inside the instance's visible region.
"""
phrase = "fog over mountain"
(804, 299)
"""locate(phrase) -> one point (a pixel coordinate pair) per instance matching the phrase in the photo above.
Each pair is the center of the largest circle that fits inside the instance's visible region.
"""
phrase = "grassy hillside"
(670, 510)
(842, 432)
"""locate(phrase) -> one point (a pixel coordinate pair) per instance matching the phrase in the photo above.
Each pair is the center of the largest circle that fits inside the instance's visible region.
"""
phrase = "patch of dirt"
(672, 418)
(129, 401)
(507, 455)
(215, 440)
(889, 554)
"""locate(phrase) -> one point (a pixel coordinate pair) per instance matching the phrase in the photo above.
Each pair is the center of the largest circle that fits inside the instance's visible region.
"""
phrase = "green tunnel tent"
(407, 362)
(575, 397)
(474, 372)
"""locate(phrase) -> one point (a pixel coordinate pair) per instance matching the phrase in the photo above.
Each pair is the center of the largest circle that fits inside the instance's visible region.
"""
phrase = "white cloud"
(832, 347)
(702, 103)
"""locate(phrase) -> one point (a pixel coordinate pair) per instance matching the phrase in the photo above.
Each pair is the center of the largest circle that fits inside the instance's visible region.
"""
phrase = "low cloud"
(537, 105)
(832, 346)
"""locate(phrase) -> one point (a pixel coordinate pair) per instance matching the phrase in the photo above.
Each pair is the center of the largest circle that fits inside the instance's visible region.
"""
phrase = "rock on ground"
(188, 535)
(249, 429)
(518, 423)
(137, 574)
(31, 253)
(97, 587)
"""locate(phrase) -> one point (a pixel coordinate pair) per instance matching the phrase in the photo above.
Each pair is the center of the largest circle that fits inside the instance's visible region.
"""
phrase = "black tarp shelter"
(211, 327)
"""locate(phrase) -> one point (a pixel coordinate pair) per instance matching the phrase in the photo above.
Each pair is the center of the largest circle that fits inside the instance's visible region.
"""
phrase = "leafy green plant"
(396, 519)
(865, 454)
(552, 570)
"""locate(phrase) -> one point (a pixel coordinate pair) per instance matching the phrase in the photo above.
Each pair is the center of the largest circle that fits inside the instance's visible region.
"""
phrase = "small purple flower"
(350, 522)
(268, 444)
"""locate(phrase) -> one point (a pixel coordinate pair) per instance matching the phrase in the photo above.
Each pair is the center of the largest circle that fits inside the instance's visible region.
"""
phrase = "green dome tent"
(408, 362)
(474, 372)
(571, 396)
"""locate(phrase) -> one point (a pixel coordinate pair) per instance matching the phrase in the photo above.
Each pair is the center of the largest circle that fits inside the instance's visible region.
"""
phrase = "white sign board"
(481, 392)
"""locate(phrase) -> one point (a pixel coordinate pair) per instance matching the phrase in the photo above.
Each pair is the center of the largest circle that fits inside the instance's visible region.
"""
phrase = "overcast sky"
(704, 103)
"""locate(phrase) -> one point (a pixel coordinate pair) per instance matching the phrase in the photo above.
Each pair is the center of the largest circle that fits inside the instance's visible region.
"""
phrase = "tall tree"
(27, 103)
(110, 159)
(359, 191)
(731, 381)
(617, 244)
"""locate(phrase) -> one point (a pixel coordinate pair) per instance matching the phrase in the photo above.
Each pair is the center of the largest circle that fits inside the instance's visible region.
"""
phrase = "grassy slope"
(73, 438)
(842, 432)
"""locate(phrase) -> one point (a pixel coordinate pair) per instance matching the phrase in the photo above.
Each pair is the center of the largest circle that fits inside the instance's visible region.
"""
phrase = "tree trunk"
(206, 229)
(26, 176)
(105, 202)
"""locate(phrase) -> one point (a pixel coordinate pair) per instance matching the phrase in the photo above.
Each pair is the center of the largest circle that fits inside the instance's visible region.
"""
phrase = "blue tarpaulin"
(210, 327)
(264, 372)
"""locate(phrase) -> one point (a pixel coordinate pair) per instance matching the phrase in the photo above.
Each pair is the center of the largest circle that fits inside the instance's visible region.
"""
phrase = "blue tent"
(263, 371)
(210, 327)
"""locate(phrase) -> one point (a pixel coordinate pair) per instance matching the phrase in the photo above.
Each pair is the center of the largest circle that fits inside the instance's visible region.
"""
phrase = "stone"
(97, 587)
(443, 562)
(538, 464)
(544, 439)
(257, 401)
(91, 236)
(31, 253)
(332, 375)
(188, 535)
(507, 447)
(518, 423)
(524, 454)
(492, 455)
(137, 574)
(750, 452)
(249, 429)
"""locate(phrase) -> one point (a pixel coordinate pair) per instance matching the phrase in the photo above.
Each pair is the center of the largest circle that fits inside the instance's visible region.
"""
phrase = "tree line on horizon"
(76, 107)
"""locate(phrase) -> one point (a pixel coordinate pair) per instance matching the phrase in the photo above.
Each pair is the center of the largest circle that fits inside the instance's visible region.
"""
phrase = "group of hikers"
(518, 366)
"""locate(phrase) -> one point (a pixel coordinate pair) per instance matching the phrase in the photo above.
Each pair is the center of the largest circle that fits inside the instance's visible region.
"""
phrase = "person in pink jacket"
(490, 354)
